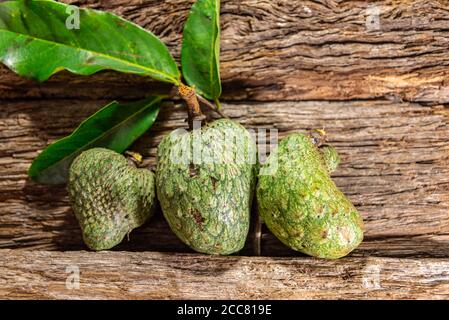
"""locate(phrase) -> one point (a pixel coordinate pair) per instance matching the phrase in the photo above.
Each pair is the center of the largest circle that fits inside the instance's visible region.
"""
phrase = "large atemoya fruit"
(109, 196)
(205, 183)
(300, 203)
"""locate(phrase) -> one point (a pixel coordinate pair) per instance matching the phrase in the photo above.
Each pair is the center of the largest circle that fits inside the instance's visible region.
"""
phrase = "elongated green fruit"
(109, 196)
(206, 194)
(302, 206)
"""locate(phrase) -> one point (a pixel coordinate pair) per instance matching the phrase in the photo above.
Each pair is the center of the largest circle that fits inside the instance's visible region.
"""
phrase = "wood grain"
(380, 91)
(289, 50)
(394, 168)
(149, 275)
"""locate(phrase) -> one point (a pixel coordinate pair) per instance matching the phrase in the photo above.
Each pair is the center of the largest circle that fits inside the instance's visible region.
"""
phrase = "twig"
(193, 107)
(211, 106)
(257, 236)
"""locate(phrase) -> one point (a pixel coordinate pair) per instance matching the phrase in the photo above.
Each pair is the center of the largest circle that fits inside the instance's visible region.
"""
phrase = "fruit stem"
(134, 158)
(188, 94)
(257, 236)
(318, 136)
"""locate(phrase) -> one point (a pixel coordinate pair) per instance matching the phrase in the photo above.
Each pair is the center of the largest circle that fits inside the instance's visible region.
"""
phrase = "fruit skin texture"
(207, 203)
(109, 196)
(331, 157)
(302, 206)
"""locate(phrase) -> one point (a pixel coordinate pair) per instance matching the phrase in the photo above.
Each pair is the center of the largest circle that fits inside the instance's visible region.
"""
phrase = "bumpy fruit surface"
(300, 203)
(205, 182)
(109, 196)
(331, 157)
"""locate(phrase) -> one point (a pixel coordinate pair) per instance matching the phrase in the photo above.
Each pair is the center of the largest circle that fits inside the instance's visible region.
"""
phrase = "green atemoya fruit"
(205, 183)
(109, 196)
(300, 203)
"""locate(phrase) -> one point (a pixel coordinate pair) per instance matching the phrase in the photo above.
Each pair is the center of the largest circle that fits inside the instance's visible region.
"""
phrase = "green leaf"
(116, 127)
(200, 55)
(39, 38)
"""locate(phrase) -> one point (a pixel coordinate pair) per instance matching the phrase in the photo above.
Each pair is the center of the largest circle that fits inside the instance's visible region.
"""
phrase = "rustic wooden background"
(380, 91)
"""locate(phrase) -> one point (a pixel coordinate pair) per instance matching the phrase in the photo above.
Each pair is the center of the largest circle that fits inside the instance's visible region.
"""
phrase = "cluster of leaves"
(36, 43)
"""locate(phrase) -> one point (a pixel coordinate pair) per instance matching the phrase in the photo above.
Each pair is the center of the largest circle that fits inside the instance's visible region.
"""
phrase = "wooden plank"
(394, 168)
(125, 275)
(289, 50)
(395, 154)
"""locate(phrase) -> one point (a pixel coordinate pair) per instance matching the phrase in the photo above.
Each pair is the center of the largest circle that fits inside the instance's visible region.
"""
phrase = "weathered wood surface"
(381, 95)
(290, 50)
(147, 275)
